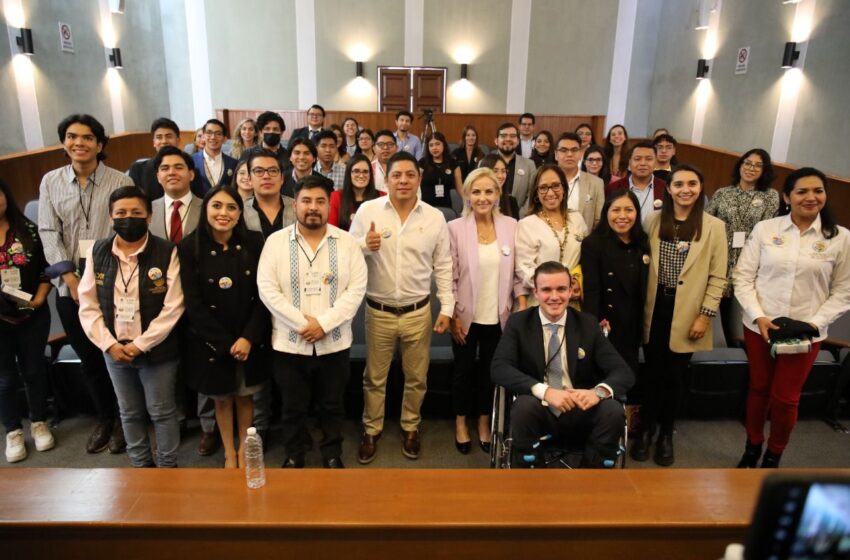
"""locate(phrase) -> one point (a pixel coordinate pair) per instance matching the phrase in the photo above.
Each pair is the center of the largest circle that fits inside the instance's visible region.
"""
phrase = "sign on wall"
(742, 60)
(66, 38)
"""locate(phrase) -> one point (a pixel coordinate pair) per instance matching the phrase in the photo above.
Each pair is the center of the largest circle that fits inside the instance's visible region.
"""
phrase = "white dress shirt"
(487, 302)
(536, 244)
(330, 289)
(573, 201)
(186, 199)
(380, 176)
(411, 253)
(526, 146)
(215, 167)
(783, 272)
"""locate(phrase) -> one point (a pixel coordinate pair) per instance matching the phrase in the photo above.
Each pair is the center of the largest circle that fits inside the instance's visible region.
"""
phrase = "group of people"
(241, 277)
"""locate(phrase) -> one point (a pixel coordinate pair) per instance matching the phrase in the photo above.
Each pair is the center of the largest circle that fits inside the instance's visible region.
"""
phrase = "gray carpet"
(698, 444)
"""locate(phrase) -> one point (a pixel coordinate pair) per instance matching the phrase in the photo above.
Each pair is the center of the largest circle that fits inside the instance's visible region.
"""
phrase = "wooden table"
(374, 513)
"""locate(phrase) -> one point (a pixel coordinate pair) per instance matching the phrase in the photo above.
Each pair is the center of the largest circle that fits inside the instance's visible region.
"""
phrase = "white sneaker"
(42, 436)
(16, 449)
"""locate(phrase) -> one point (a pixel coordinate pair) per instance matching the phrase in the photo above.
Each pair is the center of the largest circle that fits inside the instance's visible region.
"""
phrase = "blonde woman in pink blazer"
(482, 247)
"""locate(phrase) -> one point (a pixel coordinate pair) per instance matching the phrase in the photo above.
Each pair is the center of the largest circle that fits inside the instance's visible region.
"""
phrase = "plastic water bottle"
(255, 469)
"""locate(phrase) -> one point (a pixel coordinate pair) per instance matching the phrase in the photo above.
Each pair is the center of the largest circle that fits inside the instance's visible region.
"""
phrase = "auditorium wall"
(12, 138)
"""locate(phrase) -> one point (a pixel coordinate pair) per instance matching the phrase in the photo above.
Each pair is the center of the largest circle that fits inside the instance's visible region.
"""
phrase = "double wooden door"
(413, 89)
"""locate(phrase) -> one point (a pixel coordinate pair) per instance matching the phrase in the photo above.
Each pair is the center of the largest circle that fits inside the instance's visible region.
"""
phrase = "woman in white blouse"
(550, 231)
(482, 247)
(795, 266)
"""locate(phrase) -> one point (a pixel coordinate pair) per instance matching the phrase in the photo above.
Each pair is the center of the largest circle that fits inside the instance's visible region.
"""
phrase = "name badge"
(85, 245)
(738, 239)
(11, 278)
(125, 309)
(439, 191)
(313, 284)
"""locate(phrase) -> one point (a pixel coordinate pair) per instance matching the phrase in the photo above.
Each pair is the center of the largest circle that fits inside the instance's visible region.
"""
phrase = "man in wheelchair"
(566, 386)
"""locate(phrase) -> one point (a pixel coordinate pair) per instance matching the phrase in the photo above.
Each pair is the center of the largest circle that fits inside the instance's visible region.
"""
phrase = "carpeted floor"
(698, 444)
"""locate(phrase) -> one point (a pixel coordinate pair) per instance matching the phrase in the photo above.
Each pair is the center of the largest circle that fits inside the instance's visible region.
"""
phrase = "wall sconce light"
(464, 71)
(790, 55)
(24, 41)
(359, 68)
(114, 56)
(702, 69)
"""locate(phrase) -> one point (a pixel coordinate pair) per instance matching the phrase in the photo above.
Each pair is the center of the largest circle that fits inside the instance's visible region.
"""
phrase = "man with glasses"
(520, 169)
(648, 189)
(271, 127)
(267, 211)
(526, 134)
(585, 192)
(214, 167)
(665, 156)
(385, 148)
(165, 132)
(315, 122)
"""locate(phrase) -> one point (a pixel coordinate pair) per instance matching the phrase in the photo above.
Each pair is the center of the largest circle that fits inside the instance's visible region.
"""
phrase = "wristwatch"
(601, 393)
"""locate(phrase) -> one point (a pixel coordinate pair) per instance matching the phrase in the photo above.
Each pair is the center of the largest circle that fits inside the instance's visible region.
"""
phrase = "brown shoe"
(99, 438)
(208, 444)
(368, 448)
(411, 444)
(117, 443)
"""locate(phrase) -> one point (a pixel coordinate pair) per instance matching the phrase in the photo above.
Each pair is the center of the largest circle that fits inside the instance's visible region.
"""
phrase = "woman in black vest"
(24, 327)
(229, 328)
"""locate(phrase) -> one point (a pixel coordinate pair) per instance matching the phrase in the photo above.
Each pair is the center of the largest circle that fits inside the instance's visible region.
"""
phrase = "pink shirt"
(91, 316)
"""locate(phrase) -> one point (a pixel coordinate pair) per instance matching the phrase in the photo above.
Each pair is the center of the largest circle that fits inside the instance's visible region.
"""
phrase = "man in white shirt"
(406, 243)
(526, 134)
(565, 373)
(214, 167)
(174, 216)
(312, 277)
(385, 148)
(585, 192)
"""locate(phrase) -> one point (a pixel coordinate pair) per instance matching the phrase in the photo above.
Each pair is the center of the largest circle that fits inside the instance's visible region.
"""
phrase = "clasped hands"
(313, 332)
(568, 399)
(125, 353)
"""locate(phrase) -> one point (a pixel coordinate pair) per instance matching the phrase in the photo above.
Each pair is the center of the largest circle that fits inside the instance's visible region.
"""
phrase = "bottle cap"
(252, 431)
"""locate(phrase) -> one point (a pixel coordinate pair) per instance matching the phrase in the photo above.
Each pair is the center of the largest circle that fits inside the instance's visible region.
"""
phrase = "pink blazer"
(464, 247)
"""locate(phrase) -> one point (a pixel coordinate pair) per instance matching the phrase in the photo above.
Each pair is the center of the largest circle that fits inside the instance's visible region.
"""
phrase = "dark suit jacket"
(303, 132)
(143, 174)
(201, 172)
(658, 187)
(615, 280)
(519, 361)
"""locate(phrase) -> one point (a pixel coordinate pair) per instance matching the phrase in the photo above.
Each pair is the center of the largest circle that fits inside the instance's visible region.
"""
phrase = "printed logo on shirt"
(99, 277)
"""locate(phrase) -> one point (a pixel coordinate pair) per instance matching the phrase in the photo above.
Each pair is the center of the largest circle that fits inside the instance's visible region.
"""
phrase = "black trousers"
(472, 390)
(598, 428)
(727, 321)
(91, 361)
(665, 371)
(319, 378)
(24, 342)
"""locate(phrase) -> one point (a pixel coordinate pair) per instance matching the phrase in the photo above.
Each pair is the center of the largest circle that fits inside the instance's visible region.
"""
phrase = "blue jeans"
(146, 390)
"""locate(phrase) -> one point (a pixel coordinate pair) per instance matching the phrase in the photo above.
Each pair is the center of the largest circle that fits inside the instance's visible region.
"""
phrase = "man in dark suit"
(165, 132)
(565, 373)
(213, 167)
(648, 188)
(315, 122)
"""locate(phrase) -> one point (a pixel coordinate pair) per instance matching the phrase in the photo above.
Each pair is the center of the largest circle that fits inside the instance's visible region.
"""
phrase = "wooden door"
(429, 89)
(395, 89)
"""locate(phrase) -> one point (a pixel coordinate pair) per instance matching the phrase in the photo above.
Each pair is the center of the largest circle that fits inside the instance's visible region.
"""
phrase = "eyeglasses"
(594, 160)
(752, 164)
(359, 171)
(316, 114)
(213, 133)
(385, 145)
(568, 150)
(260, 171)
(554, 187)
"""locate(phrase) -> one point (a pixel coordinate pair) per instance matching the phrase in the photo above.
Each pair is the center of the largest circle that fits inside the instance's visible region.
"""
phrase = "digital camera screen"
(824, 527)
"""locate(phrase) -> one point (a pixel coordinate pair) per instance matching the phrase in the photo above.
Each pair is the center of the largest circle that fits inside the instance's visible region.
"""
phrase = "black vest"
(152, 288)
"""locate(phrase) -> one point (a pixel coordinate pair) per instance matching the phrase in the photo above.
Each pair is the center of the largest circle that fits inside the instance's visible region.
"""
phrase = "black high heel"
(464, 447)
(485, 446)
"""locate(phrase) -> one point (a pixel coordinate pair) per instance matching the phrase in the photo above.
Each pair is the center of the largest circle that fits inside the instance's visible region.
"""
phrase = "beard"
(319, 224)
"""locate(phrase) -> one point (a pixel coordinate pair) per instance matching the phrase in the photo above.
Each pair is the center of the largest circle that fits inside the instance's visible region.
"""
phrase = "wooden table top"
(381, 498)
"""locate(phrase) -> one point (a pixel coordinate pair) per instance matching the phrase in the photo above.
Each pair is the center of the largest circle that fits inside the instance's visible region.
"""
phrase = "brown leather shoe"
(368, 448)
(410, 447)
(208, 444)
(99, 438)
(117, 443)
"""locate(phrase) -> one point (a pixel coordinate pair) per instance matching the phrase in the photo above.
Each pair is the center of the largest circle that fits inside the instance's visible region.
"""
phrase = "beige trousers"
(413, 332)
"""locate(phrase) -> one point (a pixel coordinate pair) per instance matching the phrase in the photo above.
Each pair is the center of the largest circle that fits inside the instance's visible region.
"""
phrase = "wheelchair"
(552, 454)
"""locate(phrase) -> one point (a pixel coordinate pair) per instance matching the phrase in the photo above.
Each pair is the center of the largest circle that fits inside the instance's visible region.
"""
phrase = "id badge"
(125, 309)
(439, 190)
(738, 239)
(11, 278)
(85, 245)
(313, 284)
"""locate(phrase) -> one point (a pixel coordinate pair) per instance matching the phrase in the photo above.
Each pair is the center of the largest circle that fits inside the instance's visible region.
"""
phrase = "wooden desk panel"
(369, 513)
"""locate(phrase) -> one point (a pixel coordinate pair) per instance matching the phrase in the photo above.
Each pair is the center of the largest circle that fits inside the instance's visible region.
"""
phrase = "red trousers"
(775, 386)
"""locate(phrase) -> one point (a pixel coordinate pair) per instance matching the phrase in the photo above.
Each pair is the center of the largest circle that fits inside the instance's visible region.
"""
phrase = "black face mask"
(130, 229)
(271, 138)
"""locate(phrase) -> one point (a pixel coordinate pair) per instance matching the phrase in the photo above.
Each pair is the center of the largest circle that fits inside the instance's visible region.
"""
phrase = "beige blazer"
(701, 283)
(591, 198)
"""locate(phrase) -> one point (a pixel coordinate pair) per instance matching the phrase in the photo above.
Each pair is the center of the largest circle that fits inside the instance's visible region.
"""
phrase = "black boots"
(771, 460)
(752, 454)
(643, 441)
(664, 449)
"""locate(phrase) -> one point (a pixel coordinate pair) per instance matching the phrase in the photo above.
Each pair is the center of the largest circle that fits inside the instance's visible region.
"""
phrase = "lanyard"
(87, 211)
(306, 256)
(128, 280)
